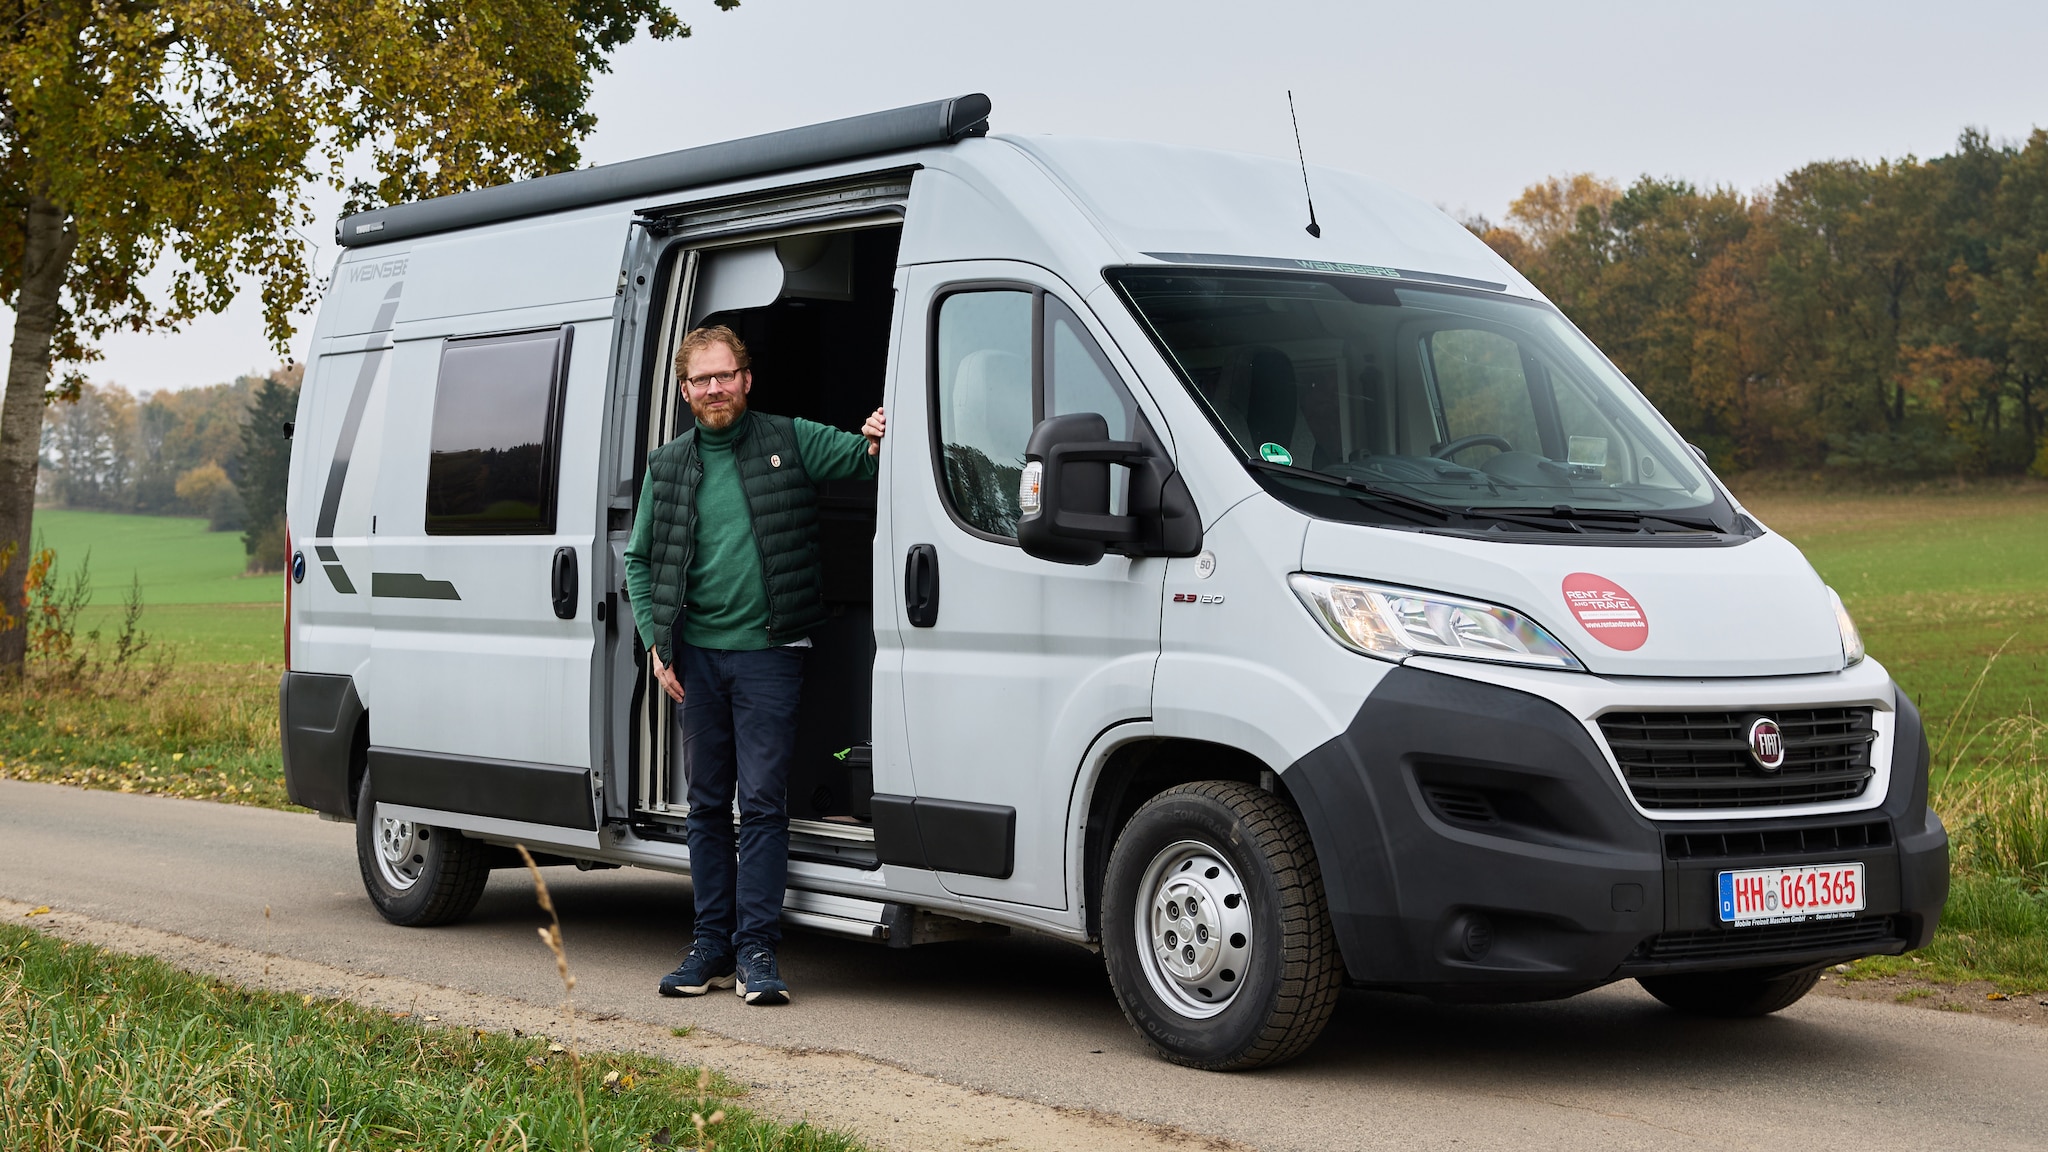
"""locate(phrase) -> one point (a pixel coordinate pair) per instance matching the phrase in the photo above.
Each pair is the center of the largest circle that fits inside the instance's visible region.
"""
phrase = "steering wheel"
(1450, 448)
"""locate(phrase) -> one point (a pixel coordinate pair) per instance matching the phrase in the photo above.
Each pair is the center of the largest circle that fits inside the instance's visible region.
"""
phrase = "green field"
(194, 593)
(179, 561)
(1938, 584)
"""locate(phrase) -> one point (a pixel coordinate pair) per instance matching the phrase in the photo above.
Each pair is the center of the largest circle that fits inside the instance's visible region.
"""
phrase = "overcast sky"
(1463, 104)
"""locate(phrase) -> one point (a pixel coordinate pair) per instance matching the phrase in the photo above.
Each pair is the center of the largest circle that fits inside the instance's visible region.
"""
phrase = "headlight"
(1396, 623)
(1852, 640)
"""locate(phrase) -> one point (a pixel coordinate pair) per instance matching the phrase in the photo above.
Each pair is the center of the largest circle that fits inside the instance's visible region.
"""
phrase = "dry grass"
(208, 732)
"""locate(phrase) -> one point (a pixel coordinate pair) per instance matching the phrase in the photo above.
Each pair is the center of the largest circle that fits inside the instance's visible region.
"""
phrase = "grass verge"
(1995, 928)
(102, 1050)
(208, 733)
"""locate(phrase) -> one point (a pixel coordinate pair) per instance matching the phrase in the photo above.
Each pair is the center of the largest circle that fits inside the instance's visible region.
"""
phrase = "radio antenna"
(1314, 229)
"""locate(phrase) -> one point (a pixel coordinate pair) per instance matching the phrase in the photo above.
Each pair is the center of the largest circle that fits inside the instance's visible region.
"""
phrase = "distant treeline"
(1889, 319)
(217, 452)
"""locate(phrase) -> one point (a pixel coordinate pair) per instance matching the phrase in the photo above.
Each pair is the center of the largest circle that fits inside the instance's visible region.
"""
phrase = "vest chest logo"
(775, 461)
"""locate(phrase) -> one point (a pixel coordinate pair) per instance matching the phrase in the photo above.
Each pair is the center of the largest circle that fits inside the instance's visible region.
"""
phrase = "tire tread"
(1311, 975)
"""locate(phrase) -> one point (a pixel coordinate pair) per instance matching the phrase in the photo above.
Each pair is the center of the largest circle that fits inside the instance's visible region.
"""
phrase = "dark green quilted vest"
(783, 505)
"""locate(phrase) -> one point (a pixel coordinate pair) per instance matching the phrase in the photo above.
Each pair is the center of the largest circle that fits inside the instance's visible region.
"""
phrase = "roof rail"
(917, 126)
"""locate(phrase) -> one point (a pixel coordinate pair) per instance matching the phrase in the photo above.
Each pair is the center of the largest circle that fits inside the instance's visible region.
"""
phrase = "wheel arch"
(1136, 768)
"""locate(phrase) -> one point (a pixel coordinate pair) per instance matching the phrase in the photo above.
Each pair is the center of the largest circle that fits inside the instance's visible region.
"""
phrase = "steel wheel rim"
(1193, 925)
(401, 850)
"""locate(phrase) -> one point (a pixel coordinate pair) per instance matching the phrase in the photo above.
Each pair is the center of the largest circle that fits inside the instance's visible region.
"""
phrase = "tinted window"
(492, 461)
(985, 403)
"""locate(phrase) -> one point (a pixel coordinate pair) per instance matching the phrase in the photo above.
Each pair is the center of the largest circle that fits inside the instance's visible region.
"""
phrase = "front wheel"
(1730, 995)
(1214, 928)
(417, 875)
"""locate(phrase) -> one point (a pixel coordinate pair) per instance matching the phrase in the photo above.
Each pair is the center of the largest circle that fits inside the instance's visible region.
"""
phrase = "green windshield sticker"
(1273, 453)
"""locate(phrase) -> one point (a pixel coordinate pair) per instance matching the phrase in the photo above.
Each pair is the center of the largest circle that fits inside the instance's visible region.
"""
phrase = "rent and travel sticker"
(1606, 610)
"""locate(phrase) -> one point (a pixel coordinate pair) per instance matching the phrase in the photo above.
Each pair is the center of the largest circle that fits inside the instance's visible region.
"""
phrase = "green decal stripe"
(338, 576)
(410, 586)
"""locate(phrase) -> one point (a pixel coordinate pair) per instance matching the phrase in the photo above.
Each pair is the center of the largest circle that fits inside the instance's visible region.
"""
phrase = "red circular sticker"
(1606, 610)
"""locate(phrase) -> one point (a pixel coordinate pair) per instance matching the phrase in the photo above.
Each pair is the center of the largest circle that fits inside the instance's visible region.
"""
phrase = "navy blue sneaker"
(759, 982)
(701, 971)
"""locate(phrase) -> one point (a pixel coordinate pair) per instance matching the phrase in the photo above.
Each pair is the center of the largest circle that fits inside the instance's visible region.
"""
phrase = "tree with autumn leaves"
(1889, 319)
(186, 135)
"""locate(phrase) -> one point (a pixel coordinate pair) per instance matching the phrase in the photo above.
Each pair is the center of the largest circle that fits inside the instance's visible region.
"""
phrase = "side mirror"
(1063, 496)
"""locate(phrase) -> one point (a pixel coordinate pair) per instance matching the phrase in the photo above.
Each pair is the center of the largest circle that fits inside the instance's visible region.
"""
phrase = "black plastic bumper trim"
(317, 716)
(503, 789)
(1475, 845)
(946, 835)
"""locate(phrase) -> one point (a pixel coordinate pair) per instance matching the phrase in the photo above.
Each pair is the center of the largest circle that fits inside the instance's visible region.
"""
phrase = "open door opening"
(814, 310)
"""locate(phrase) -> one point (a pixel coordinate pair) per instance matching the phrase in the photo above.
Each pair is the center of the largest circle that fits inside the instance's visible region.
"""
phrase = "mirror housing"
(1063, 499)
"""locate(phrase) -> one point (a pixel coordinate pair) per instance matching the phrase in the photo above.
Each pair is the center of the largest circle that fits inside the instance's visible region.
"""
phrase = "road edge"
(885, 1105)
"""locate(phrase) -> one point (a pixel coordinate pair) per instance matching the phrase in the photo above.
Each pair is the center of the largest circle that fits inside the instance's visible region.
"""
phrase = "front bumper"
(1475, 845)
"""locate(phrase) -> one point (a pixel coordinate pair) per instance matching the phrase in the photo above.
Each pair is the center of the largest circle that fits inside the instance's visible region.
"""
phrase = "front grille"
(1702, 760)
(1776, 841)
(1766, 940)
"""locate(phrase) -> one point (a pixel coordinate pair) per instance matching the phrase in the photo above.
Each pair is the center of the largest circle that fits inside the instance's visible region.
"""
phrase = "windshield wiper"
(1568, 513)
(1383, 495)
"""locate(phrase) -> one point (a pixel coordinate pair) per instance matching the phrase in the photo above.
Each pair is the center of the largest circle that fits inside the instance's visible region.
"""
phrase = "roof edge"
(874, 133)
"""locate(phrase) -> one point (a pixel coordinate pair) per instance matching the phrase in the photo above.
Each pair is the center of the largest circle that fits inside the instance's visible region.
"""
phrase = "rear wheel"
(417, 875)
(1214, 929)
(1731, 995)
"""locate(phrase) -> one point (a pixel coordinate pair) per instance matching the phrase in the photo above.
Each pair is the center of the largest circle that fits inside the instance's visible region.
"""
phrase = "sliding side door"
(481, 548)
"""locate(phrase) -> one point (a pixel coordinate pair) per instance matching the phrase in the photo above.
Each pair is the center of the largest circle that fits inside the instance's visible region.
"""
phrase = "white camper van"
(1274, 611)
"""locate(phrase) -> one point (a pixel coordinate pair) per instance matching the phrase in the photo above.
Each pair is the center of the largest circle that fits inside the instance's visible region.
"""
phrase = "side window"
(985, 403)
(1006, 359)
(1078, 378)
(1480, 387)
(491, 465)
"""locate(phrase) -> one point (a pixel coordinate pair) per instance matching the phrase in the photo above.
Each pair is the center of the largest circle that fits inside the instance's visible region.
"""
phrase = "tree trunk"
(46, 258)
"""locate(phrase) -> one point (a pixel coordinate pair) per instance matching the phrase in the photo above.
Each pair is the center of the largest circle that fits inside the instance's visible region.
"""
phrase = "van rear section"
(1273, 612)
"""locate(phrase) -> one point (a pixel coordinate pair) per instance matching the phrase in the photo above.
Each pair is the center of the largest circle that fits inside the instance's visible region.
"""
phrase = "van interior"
(814, 310)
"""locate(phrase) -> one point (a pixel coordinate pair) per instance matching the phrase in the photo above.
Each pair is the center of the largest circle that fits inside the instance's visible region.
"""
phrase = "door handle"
(921, 585)
(562, 582)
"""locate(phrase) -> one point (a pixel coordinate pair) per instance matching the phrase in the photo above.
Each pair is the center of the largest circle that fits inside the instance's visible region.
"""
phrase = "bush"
(266, 546)
(129, 663)
(207, 491)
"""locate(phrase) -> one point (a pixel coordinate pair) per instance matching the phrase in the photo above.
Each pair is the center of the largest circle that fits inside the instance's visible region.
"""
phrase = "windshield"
(1480, 410)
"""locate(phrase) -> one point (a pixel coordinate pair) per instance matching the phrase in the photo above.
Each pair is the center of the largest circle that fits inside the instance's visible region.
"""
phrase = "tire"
(1264, 973)
(417, 875)
(1730, 995)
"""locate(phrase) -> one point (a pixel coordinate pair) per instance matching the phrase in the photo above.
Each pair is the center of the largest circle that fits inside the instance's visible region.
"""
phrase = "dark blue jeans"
(739, 738)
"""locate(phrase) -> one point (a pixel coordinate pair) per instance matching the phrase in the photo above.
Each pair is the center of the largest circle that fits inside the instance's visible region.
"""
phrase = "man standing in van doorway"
(725, 584)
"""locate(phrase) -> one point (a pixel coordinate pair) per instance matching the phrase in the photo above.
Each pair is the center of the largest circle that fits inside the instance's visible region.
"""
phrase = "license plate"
(1787, 895)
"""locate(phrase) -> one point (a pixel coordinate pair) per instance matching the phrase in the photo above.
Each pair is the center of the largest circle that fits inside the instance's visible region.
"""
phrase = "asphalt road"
(1034, 1018)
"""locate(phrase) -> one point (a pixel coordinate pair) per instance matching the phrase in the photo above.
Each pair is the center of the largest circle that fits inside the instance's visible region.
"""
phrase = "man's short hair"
(701, 338)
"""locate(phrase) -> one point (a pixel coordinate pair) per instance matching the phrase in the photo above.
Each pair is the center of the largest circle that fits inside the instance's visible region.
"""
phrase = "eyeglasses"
(721, 378)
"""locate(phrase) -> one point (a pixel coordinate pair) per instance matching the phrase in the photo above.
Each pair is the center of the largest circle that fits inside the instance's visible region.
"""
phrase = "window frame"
(551, 443)
(1141, 428)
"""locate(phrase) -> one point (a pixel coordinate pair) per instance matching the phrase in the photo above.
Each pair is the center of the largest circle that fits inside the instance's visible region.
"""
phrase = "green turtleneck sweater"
(728, 594)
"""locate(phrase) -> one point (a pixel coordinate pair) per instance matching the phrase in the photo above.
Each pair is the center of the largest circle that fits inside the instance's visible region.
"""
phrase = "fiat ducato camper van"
(1274, 612)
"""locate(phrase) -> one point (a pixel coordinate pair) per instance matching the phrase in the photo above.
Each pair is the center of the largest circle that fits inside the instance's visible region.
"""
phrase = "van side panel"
(469, 657)
(539, 264)
(334, 467)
